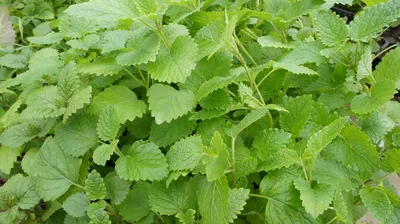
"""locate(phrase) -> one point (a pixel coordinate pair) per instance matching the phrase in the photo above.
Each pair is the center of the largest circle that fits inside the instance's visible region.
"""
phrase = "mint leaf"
(315, 200)
(168, 201)
(55, 171)
(237, 200)
(76, 205)
(216, 159)
(79, 131)
(108, 124)
(117, 188)
(143, 161)
(175, 63)
(377, 202)
(176, 104)
(132, 211)
(122, 99)
(8, 156)
(185, 154)
(332, 30)
(22, 190)
(213, 200)
(95, 187)
(387, 69)
(299, 112)
(103, 153)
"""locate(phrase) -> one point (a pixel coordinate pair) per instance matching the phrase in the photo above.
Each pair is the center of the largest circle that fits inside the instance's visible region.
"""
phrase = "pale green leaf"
(73, 26)
(122, 99)
(216, 159)
(317, 199)
(19, 134)
(245, 162)
(376, 125)
(213, 198)
(293, 68)
(8, 156)
(22, 189)
(377, 202)
(372, 20)
(177, 129)
(166, 103)
(332, 30)
(72, 220)
(78, 135)
(168, 201)
(77, 101)
(103, 153)
(76, 205)
(143, 161)
(355, 151)
(117, 188)
(389, 67)
(112, 40)
(185, 154)
(85, 43)
(130, 209)
(13, 60)
(299, 112)
(55, 171)
(95, 187)
(271, 41)
(381, 93)
(364, 68)
(249, 119)
(108, 124)
(101, 66)
(332, 173)
(176, 63)
(141, 47)
(272, 149)
(97, 214)
(50, 38)
(186, 218)
(307, 52)
(104, 9)
(208, 38)
(237, 200)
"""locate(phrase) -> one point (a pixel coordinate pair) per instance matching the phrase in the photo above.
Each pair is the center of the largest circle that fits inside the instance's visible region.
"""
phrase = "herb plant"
(197, 111)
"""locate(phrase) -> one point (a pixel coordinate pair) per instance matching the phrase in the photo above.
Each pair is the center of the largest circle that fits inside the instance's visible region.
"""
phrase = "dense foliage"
(197, 111)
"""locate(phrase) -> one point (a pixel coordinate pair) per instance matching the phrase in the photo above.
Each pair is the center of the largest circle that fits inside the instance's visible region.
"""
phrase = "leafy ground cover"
(184, 111)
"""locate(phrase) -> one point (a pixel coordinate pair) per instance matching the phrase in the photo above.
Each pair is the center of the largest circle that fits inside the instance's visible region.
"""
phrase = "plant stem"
(384, 50)
(260, 196)
(134, 77)
(265, 77)
(332, 220)
(233, 162)
(237, 41)
(80, 186)
(142, 76)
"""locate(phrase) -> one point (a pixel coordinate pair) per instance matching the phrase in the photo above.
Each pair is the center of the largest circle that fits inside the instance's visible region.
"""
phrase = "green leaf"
(317, 199)
(13, 60)
(213, 198)
(95, 187)
(19, 134)
(8, 156)
(168, 201)
(364, 68)
(295, 69)
(237, 200)
(112, 40)
(104, 10)
(249, 119)
(72, 220)
(284, 203)
(130, 209)
(216, 159)
(108, 124)
(7, 35)
(185, 154)
(117, 188)
(319, 140)
(332, 173)
(76, 205)
(388, 68)
(22, 191)
(177, 129)
(376, 125)
(143, 161)
(307, 52)
(122, 99)
(50, 38)
(55, 171)
(142, 47)
(355, 151)
(176, 63)
(103, 153)
(381, 93)
(299, 112)
(372, 20)
(186, 218)
(166, 103)
(208, 38)
(101, 66)
(73, 26)
(332, 30)
(78, 135)
(377, 202)
(97, 214)
(245, 162)
(273, 151)
(85, 43)
(271, 41)
(343, 207)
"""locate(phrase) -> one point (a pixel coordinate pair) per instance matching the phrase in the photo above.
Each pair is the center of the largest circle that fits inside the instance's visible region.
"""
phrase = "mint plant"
(183, 111)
